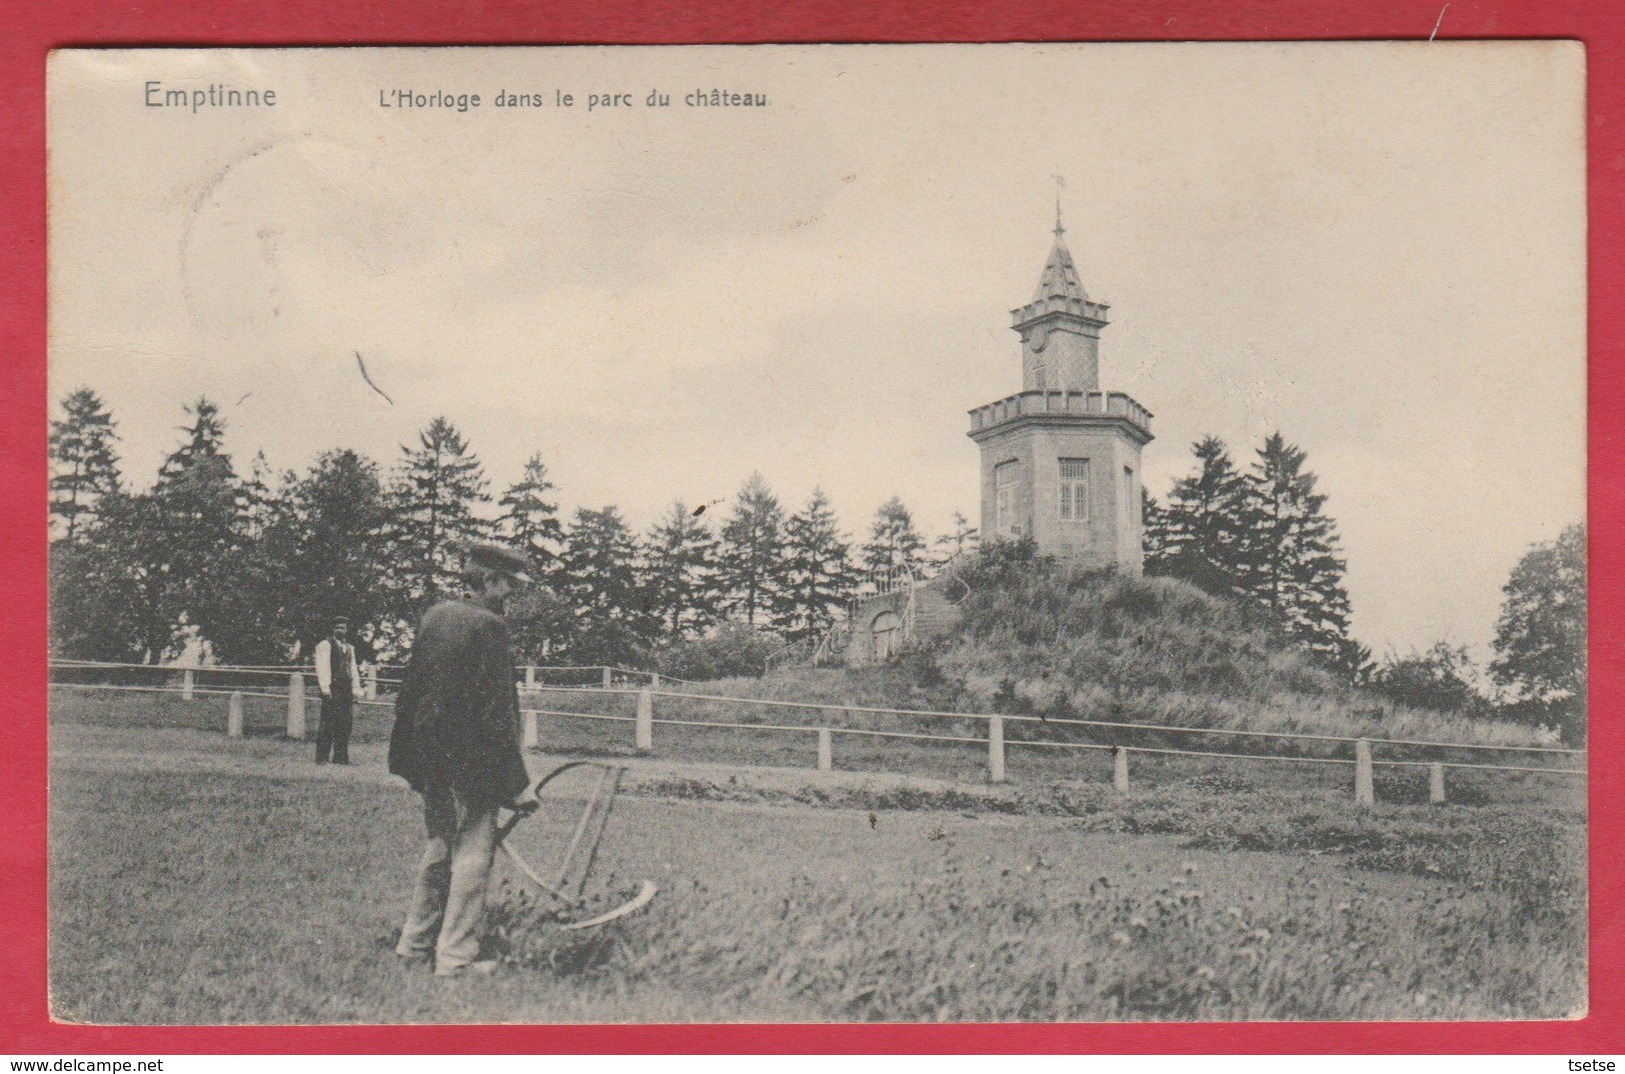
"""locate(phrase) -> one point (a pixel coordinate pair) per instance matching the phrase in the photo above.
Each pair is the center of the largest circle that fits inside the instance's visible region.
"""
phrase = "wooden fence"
(823, 724)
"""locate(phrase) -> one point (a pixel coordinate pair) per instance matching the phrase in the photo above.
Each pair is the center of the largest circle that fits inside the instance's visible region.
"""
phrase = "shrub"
(1566, 716)
(734, 650)
(1438, 679)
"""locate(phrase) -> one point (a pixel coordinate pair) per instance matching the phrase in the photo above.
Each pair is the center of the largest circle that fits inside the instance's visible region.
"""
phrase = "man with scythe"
(456, 740)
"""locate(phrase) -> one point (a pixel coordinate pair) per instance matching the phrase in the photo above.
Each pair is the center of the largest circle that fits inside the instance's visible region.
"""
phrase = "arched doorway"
(885, 635)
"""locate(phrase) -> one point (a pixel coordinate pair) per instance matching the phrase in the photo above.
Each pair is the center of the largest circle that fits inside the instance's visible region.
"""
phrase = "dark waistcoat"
(338, 659)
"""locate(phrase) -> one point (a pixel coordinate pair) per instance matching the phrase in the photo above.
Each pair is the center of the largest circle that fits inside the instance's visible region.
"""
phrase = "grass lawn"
(208, 898)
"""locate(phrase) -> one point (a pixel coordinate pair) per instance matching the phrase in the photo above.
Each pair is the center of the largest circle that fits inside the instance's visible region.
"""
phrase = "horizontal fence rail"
(382, 675)
(1108, 724)
(829, 720)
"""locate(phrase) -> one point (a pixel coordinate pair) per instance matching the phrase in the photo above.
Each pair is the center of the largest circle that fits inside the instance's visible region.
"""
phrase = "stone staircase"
(902, 609)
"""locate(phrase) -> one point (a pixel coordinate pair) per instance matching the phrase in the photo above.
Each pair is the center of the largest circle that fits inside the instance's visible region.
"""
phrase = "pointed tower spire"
(1060, 327)
(1060, 278)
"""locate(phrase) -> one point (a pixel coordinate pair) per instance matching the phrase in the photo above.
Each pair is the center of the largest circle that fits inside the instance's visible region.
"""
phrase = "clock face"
(1038, 337)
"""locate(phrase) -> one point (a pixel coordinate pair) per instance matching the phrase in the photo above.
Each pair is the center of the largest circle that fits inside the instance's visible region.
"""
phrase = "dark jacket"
(457, 715)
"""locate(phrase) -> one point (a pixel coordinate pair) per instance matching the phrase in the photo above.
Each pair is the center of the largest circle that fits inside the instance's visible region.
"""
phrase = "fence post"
(646, 721)
(530, 737)
(826, 750)
(296, 705)
(530, 676)
(1364, 794)
(234, 715)
(369, 682)
(186, 685)
(1436, 783)
(995, 749)
(654, 680)
(609, 677)
(1120, 769)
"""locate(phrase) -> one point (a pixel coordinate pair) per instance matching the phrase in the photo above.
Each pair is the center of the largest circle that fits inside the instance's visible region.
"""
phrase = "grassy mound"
(1038, 638)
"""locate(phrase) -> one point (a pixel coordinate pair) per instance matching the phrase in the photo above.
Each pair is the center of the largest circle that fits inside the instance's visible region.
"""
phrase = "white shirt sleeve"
(324, 667)
(355, 675)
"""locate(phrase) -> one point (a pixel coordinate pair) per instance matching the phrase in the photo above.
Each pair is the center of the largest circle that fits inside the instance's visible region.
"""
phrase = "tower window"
(1131, 498)
(1075, 490)
(1006, 479)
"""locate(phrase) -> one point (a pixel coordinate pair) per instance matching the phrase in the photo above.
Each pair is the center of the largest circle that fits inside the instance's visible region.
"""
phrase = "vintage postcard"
(818, 534)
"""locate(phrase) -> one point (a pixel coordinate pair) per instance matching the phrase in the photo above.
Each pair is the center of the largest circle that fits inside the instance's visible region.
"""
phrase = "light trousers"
(448, 904)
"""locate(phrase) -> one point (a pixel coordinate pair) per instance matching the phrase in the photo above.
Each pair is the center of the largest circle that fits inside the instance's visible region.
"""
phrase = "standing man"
(457, 742)
(340, 680)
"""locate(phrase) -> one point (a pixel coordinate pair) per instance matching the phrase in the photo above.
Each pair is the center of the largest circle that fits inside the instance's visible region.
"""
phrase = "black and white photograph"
(818, 534)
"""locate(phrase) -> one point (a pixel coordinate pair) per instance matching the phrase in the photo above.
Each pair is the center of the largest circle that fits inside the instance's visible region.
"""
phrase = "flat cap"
(495, 557)
(341, 620)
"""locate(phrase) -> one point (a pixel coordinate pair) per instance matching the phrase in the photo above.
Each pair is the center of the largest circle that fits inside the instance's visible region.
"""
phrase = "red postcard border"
(35, 27)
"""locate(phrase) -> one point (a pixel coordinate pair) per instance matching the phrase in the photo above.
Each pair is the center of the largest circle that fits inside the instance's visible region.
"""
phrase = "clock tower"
(1061, 458)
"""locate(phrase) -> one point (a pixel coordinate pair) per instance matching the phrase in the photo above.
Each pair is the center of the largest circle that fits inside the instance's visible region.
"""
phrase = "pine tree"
(600, 576)
(1206, 542)
(530, 521)
(104, 600)
(1154, 534)
(205, 440)
(681, 575)
(260, 602)
(260, 498)
(540, 622)
(961, 538)
(327, 545)
(84, 464)
(752, 565)
(434, 495)
(820, 577)
(894, 544)
(1292, 571)
(201, 542)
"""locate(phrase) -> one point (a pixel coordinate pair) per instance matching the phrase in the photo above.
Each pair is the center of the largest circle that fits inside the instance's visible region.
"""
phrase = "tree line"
(1262, 538)
(258, 563)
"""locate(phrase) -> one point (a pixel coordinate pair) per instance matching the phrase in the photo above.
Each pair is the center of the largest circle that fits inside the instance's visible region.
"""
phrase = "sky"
(1375, 248)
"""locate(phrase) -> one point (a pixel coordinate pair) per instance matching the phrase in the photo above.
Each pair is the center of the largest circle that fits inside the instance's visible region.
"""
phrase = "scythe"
(569, 882)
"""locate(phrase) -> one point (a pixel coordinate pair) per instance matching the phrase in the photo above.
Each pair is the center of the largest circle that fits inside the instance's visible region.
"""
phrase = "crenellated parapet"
(1060, 304)
(1090, 407)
